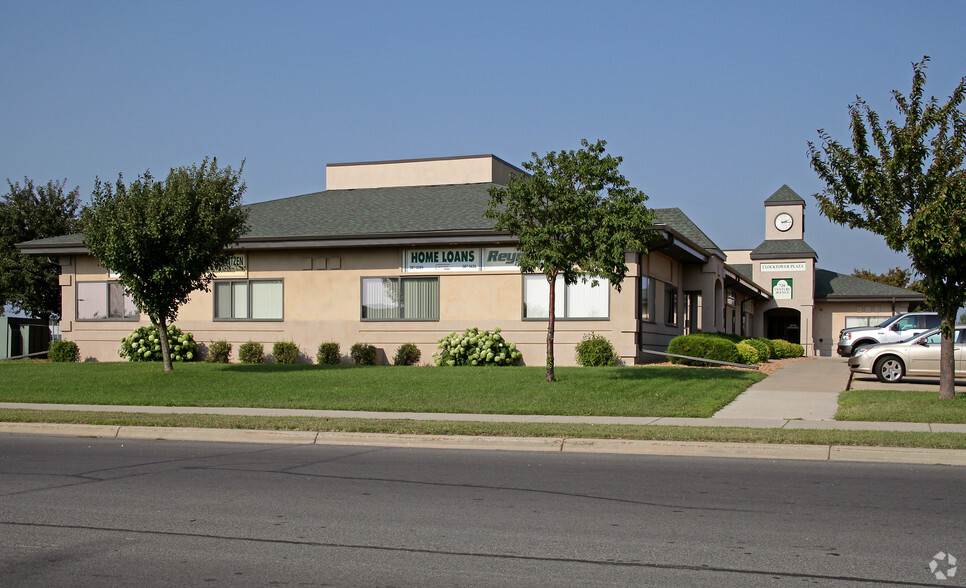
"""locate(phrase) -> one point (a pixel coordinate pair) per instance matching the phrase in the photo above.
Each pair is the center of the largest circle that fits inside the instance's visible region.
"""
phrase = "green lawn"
(581, 431)
(900, 406)
(628, 391)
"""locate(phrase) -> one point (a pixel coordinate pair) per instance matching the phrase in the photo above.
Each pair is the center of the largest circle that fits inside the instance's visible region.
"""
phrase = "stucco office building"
(399, 251)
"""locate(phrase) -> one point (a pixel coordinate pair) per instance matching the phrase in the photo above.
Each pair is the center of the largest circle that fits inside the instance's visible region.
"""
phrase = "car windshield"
(919, 336)
(886, 322)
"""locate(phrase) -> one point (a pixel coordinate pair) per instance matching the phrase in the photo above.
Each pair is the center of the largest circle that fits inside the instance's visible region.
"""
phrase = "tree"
(897, 277)
(906, 182)
(28, 283)
(575, 215)
(165, 238)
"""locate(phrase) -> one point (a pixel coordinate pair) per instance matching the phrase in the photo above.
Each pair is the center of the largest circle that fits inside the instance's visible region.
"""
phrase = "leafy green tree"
(574, 214)
(165, 238)
(30, 283)
(906, 182)
(897, 277)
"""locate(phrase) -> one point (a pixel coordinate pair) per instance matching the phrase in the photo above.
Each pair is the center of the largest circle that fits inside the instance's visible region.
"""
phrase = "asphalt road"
(110, 512)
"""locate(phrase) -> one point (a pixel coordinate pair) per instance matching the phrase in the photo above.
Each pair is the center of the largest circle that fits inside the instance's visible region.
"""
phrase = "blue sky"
(711, 104)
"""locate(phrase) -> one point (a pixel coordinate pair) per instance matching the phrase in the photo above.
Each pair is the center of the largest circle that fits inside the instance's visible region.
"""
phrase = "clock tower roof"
(784, 196)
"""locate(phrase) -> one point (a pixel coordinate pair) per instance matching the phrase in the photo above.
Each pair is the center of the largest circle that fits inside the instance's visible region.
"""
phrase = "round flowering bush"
(144, 345)
(476, 347)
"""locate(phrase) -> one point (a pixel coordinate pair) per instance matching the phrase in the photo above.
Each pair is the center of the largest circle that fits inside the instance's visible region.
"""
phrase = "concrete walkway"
(807, 390)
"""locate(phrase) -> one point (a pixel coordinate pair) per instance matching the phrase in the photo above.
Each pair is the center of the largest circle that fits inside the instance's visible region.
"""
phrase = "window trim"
(652, 298)
(248, 282)
(671, 302)
(108, 318)
(523, 292)
(399, 280)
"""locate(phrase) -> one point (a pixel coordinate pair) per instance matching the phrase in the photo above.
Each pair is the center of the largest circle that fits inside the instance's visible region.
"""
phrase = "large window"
(582, 300)
(400, 299)
(648, 297)
(248, 300)
(103, 301)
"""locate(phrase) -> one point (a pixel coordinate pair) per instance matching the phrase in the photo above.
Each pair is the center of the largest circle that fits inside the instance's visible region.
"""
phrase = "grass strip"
(581, 431)
(903, 406)
(623, 391)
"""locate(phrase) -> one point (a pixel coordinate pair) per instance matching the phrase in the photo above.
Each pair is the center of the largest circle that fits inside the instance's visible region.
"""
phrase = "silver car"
(916, 356)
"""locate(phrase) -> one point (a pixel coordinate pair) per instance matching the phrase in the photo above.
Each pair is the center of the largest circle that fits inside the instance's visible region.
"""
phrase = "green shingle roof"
(372, 211)
(830, 285)
(784, 195)
(677, 220)
(747, 270)
(782, 248)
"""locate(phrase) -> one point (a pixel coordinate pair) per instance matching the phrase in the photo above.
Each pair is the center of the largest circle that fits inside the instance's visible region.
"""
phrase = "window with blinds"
(104, 301)
(400, 299)
(582, 300)
(248, 300)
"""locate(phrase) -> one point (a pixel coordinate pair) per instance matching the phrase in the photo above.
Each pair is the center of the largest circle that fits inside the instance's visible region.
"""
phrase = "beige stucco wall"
(425, 172)
(830, 317)
(325, 305)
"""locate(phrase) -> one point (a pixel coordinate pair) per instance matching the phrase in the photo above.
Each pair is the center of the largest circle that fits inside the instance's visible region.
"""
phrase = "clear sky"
(711, 104)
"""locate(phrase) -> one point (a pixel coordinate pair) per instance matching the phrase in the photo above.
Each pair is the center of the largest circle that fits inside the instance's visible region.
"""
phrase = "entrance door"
(783, 323)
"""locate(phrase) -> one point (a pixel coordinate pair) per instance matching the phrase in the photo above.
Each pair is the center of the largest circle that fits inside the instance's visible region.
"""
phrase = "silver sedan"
(916, 356)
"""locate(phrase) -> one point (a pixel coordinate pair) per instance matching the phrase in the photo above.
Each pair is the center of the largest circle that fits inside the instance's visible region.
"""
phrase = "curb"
(837, 453)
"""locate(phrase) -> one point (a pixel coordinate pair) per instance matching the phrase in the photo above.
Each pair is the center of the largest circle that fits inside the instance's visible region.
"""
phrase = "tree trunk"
(552, 278)
(947, 360)
(162, 326)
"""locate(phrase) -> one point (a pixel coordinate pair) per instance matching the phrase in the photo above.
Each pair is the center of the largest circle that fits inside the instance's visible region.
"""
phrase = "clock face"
(784, 221)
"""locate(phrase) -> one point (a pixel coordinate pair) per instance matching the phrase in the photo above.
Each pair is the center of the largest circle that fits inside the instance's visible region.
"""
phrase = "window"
(400, 299)
(648, 291)
(862, 321)
(582, 300)
(670, 304)
(104, 301)
(248, 300)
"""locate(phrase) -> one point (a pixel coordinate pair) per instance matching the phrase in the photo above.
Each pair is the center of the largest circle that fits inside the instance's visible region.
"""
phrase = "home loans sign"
(461, 259)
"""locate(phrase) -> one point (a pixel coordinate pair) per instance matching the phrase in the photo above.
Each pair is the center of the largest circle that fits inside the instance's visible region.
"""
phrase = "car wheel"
(889, 369)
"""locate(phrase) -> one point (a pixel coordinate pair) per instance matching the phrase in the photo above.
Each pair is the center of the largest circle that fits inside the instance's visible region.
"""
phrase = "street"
(80, 512)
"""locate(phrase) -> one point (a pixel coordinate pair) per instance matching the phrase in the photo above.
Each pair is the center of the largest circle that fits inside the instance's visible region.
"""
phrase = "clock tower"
(784, 215)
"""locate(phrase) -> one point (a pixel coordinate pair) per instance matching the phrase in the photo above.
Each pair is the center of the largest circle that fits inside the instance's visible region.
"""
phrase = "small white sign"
(797, 266)
(781, 289)
(234, 266)
(462, 259)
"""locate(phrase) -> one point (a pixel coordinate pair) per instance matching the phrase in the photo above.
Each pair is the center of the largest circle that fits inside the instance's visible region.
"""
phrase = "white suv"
(892, 330)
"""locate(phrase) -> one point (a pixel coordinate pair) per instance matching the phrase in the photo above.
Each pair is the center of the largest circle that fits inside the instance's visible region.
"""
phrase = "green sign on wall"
(781, 288)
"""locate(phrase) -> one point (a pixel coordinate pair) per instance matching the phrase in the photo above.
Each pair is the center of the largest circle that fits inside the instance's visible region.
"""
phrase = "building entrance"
(784, 323)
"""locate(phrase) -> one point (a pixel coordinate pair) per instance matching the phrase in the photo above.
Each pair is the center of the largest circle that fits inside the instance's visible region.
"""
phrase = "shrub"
(144, 345)
(407, 354)
(363, 354)
(761, 347)
(704, 346)
(285, 352)
(251, 352)
(770, 345)
(747, 354)
(328, 354)
(61, 350)
(784, 349)
(218, 352)
(595, 350)
(476, 347)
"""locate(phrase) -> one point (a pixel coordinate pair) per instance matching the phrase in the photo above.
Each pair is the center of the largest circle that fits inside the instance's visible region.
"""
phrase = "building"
(399, 251)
